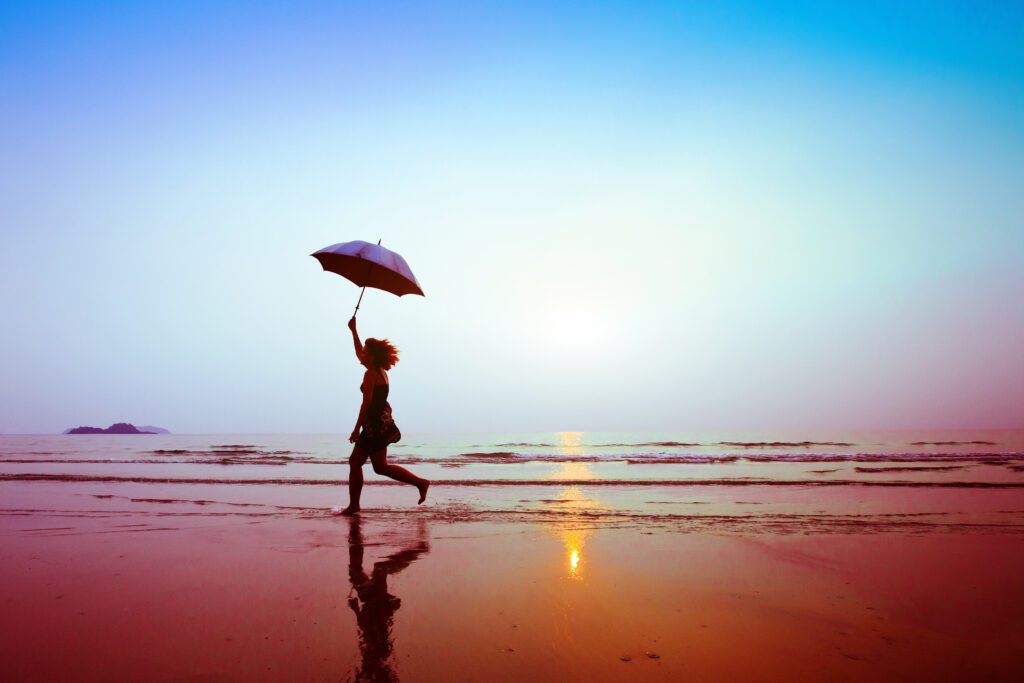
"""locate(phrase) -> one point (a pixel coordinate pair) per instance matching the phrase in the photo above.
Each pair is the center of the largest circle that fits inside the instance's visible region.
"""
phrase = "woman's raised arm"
(355, 338)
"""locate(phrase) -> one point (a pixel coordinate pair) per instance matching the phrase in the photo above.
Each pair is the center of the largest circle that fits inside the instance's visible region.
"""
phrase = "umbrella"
(369, 265)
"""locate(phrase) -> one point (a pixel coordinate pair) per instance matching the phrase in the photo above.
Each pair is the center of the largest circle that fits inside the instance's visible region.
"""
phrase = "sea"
(725, 481)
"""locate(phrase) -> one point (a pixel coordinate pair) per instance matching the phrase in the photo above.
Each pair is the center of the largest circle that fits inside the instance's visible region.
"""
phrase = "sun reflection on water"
(570, 443)
(575, 508)
(572, 531)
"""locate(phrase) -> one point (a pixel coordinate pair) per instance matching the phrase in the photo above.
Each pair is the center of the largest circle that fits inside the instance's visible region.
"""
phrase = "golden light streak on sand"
(573, 531)
(574, 541)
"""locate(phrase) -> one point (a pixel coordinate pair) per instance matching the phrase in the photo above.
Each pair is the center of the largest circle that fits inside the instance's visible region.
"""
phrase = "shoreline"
(30, 477)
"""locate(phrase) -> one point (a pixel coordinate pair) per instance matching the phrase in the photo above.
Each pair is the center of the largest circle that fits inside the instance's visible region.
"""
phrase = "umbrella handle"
(359, 302)
(369, 269)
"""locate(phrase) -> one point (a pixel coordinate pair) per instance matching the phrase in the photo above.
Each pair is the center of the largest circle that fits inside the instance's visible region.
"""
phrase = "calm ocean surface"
(943, 458)
(905, 482)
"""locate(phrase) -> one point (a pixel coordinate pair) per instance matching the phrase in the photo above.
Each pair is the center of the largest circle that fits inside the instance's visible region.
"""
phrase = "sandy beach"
(125, 577)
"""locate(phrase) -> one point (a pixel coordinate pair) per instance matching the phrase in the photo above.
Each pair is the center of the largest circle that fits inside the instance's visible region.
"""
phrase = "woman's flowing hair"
(383, 353)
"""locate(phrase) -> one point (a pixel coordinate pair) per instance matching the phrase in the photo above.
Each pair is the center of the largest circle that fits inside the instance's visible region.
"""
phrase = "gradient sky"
(674, 216)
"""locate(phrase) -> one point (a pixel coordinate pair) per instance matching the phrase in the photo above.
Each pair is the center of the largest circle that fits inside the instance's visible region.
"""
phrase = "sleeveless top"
(379, 428)
(378, 401)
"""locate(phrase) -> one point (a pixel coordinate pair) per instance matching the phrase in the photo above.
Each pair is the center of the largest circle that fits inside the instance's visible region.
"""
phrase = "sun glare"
(573, 331)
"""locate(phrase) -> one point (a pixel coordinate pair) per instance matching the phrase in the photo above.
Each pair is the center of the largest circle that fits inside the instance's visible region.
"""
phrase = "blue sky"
(658, 216)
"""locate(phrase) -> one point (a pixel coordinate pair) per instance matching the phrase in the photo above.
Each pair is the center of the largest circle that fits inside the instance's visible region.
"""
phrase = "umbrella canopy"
(369, 265)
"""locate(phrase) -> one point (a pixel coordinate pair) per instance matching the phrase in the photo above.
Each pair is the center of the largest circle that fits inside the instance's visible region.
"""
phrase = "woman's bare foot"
(423, 491)
(346, 511)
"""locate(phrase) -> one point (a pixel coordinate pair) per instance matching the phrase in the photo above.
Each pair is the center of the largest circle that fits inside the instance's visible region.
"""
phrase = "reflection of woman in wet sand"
(374, 607)
(375, 429)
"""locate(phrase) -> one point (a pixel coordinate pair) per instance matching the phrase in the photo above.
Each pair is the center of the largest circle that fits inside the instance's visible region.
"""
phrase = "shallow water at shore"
(869, 481)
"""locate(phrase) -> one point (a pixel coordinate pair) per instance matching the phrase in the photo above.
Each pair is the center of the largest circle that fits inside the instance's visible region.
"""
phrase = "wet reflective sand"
(120, 581)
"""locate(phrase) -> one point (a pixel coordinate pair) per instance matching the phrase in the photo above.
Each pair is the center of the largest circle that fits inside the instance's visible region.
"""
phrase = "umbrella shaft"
(363, 291)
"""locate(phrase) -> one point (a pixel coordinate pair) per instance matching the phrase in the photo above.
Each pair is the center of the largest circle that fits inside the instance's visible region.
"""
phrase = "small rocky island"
(117, 428)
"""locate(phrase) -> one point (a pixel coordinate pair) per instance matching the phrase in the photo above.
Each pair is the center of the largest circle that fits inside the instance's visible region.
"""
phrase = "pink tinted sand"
(128, 588)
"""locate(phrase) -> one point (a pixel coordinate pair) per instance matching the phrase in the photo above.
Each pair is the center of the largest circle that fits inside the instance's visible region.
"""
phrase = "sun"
(573, 331)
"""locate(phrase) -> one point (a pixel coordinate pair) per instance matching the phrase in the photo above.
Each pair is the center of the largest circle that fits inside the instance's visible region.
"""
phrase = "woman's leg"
(381, 466)
(355, 480)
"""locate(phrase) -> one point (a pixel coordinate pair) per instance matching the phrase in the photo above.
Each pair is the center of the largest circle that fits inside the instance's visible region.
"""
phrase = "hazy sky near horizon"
(649, 216)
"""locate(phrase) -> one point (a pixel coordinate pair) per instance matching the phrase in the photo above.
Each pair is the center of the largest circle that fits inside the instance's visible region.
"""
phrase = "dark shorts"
(379, 432)
(372, 443)
(369, 445)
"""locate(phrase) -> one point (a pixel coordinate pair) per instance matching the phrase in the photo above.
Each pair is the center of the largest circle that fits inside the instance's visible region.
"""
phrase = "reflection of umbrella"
(369, 265)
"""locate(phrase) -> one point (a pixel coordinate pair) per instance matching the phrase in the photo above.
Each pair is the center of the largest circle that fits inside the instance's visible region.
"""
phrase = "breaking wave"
(953, 443)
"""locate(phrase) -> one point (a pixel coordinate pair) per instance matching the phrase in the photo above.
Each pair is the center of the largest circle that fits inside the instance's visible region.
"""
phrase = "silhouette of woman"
(375, 429)
(373, 605)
